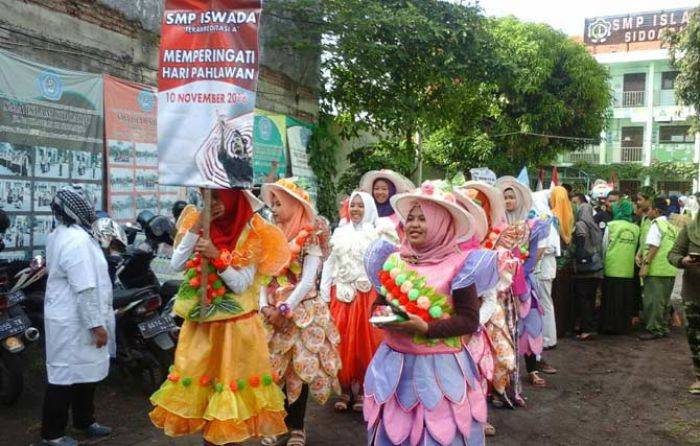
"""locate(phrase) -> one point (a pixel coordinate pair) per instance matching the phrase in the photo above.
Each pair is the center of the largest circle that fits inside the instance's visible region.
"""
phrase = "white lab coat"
(75, 263)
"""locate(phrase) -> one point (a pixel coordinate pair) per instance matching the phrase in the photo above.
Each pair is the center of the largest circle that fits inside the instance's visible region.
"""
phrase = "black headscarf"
(72, 205)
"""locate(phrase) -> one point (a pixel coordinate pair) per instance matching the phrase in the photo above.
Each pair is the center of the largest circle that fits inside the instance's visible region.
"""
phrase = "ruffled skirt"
(221, 384)
(530, 322)
(305, 351)
(359, 339)
(430, 399)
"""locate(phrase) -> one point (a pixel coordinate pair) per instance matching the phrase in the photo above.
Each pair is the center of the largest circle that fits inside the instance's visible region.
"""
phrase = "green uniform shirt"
(660, 266)
(643, 231)
(623, 238)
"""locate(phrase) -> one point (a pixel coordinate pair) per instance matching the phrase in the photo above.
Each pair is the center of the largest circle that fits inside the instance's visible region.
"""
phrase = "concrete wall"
(121, 37)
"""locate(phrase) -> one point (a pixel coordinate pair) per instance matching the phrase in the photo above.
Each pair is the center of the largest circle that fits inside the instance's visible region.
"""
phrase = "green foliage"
(322, 149)
(685, 57)
(634, 171)
(385, 154)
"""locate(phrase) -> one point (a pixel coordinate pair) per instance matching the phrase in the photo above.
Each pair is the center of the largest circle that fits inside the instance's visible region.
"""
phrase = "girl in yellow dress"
(222, 383)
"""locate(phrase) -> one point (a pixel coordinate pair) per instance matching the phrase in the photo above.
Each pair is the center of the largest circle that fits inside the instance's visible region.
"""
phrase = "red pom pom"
(173, 378)
(254, 381)
(212, 278)
(233, 386)
(195, 282)
(488, 244)
(204, 381)
(412, 308)
(403, 299)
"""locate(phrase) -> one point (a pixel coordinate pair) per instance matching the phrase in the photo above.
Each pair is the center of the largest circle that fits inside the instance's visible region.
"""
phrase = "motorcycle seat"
(170, 288)
(122, 298)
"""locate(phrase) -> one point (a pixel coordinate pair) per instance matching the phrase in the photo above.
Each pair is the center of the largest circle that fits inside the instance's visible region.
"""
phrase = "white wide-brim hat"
(495, 197)
(508, 182)
(464, 222)
(288, 186)
(481, 222)
(402, 184)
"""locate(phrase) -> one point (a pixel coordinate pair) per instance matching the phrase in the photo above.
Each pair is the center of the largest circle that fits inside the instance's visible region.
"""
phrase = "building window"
(632, 136)
(669, 188)
(673, 134)
(633, 89)
(668, 79)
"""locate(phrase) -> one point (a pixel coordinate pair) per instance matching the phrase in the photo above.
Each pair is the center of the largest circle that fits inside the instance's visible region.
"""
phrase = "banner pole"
(206, 222)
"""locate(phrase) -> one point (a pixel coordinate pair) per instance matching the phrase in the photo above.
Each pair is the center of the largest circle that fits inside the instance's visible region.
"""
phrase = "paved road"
(609, 391)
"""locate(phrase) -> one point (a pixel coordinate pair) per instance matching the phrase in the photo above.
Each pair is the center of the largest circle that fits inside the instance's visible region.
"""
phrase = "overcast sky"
(569, 15)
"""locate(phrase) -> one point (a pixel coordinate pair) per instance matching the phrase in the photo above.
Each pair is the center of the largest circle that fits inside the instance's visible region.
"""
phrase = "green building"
(647, 125)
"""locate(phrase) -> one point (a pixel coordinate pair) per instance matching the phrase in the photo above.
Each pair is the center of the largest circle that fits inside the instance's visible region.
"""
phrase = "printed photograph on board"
(15, 196)
(42, 226)
(121, 179)
(95, 192)
(43, 194)
(146, 154)
(13, 255)
(120, 152)
(122, 207)
(166, 204)
(148, 202)
(86, 165)
(15, 159)
(146, 180)
(18, 235)
(51, 162)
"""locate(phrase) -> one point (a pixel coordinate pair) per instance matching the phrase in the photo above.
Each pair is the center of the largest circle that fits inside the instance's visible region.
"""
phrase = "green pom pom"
(211, 268)
(396, 302)
(523, 250)
(413, 294)
(218, 300)
(382, 291)
(171, 369)
(400, 279)
(217, 285)
(187, 381)
(388, 266)
(267, 380)
(219, 387)
(191, 273)
(435, 312)
(241, 383)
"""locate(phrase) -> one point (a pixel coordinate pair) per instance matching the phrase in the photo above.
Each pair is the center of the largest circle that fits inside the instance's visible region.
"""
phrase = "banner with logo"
(51, 135)
(270, 147)
(483, 174)
(131, 118)
(207, 78)
(298, 137)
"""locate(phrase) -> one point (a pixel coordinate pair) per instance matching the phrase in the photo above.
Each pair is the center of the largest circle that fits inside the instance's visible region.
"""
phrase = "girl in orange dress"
(345, 285)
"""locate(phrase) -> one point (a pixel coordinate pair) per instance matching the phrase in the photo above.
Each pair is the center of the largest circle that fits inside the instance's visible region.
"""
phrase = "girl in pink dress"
(422, 387)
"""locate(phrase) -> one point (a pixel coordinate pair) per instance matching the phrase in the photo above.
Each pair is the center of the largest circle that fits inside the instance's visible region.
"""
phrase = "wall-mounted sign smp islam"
(632, 28)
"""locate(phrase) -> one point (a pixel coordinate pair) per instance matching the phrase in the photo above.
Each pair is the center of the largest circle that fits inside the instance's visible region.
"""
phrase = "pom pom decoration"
(405, 288)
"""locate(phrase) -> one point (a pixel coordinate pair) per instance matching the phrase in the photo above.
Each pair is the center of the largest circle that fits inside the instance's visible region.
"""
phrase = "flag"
(540, 179)
(523, 177)
(555, 177)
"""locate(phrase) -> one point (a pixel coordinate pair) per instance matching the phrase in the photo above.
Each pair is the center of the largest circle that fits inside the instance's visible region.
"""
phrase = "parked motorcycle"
(145, 337)
(15, 325)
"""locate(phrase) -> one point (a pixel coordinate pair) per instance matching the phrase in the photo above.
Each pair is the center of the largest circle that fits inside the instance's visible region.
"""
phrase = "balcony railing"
(631, 154)
(591, 156)
(632, 98)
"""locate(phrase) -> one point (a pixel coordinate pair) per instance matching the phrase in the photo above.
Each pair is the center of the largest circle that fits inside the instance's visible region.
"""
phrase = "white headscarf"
(369, 219)
(692, 205)
(540, 201)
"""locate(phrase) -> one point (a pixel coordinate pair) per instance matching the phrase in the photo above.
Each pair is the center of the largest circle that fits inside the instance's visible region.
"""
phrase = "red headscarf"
(225, 230)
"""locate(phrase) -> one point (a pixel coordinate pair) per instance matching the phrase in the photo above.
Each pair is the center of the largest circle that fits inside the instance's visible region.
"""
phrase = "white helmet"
(107, 230)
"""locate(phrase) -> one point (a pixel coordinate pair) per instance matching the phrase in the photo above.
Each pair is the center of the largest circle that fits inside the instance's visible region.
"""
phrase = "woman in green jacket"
(619, 304)
(686, 254)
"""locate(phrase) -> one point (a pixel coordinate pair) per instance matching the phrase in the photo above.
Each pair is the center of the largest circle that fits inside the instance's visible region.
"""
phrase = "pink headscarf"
(294, 215)
(441, 241)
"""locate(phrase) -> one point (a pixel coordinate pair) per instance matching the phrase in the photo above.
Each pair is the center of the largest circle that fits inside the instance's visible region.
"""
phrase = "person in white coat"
(78, 318)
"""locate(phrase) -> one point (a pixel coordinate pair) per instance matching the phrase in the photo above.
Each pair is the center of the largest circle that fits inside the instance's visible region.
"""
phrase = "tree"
(542, 83)
(685, 57)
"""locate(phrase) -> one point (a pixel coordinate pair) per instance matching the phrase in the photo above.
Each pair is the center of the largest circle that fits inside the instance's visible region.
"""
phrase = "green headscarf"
(623, 210)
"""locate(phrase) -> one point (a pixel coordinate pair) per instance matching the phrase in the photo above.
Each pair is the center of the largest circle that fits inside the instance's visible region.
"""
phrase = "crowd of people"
(415, 310)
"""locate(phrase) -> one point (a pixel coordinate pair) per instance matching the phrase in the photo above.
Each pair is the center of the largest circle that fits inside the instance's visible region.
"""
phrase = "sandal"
(342, 404)
(358, 404)
(545, 368)
(275, 440)
(489, 430)
(535, 379)
(502, 401)
(585, 336)
(297, 438)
